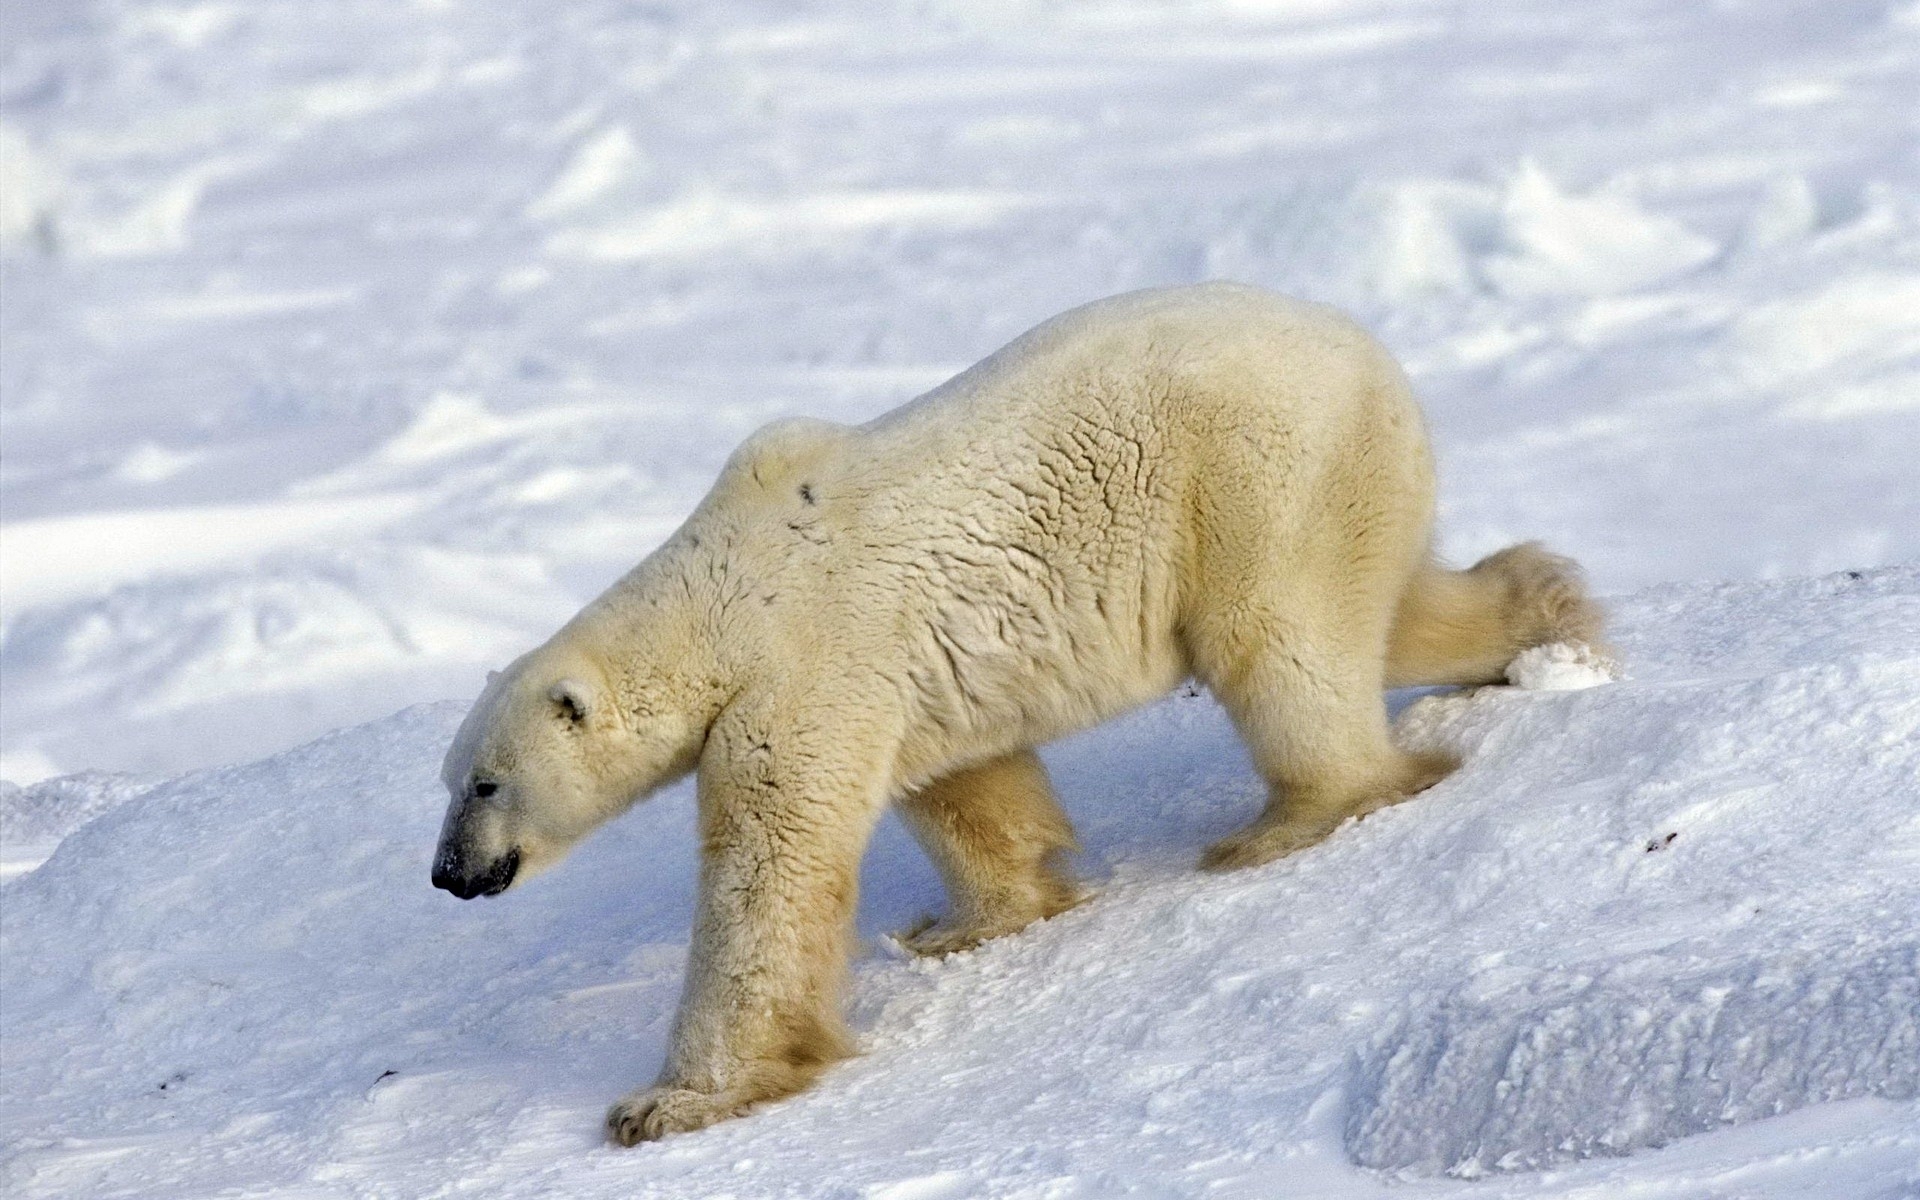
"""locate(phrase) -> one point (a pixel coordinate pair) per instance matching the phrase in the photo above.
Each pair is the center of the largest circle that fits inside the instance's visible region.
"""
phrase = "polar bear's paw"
(1053, 893)
(937, 939)
(1264, 841)
(1285, 828)
(653, 1113)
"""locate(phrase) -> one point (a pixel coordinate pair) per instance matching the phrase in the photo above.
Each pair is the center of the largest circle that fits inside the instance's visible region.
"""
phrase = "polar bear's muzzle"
(453, 873)
(478, 853)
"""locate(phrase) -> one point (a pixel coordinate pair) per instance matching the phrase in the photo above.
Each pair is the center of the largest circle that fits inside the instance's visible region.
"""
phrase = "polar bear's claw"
(937, 939)
(653, 1113)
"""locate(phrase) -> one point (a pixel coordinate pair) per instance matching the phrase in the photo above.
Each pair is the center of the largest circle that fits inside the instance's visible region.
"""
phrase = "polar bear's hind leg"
(997, 835)
(1311, 713)
(1464, 627)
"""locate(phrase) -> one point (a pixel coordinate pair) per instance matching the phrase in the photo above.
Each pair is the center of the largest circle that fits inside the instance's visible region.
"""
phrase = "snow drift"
(1774, 770)
(1680, 901)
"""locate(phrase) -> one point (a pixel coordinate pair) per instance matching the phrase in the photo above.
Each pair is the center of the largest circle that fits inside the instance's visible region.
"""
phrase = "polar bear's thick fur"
(1208, 481)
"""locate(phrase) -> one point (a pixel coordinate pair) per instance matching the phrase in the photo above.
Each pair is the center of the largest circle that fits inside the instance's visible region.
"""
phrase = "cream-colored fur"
(998, 837)
(1210, 481)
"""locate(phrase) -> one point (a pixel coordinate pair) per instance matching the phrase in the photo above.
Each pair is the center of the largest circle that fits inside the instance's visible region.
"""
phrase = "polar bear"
(1210, 482)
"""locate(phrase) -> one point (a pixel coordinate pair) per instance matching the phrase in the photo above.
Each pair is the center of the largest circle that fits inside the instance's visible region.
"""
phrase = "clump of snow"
(1788, 210)
(605, 165)
(29, 203)
(150, 463)
(156, 222)
(1594, 244)
(1561, 667)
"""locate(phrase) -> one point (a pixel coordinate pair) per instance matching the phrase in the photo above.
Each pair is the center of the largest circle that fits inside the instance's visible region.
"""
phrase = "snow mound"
(1784, 732)
(1681, 904)
(1597, 244)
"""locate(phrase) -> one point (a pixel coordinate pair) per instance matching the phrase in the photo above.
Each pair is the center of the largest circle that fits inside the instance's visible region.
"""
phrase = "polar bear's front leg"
(760, 1016)
(652, 1113)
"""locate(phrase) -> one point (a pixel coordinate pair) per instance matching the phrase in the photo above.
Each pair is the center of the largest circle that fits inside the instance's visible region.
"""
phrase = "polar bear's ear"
(571, 700)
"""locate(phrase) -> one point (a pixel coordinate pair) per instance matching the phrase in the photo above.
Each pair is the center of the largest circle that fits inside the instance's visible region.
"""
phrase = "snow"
(1671, 904)
(1765, 989)
(1560, 667)
(33, 820)
(349, 347)
(1560, 1065)
(1594, 245)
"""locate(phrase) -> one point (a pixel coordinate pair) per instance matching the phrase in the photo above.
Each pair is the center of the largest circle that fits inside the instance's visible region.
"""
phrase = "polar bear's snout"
(463, 865)
(452, 873)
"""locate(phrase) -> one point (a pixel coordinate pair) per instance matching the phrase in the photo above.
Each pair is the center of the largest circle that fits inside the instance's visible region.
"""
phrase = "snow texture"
(1559, 1066)
(1558, 667)
(1679, 902)
(34, 819)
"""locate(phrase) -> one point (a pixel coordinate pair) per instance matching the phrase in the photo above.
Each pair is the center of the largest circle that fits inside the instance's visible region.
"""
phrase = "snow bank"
(1678, 902)
(1569, 1065)
(1793, 722)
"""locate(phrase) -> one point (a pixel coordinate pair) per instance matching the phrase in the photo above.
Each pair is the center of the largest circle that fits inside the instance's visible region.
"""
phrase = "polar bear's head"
(549, 752)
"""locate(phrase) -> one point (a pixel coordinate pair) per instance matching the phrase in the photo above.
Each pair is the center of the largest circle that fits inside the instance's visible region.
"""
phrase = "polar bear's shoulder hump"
(776, 451)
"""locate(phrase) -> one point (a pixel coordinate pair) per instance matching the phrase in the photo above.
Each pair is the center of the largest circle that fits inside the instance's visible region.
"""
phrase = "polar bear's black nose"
(452, 875)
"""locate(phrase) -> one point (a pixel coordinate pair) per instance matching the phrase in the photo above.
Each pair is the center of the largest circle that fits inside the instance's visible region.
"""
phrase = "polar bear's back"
(1204, 360)
(1049, 515)
(1138, 400)
(1126, 352)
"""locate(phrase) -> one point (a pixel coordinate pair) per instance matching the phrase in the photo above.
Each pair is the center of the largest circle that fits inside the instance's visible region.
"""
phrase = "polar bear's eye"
(484, 788)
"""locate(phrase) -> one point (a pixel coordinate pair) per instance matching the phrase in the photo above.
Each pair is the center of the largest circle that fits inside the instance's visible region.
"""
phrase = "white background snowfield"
(348, 346)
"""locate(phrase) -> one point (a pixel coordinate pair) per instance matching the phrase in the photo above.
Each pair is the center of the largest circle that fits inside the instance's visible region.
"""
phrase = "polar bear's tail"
(1464, 627)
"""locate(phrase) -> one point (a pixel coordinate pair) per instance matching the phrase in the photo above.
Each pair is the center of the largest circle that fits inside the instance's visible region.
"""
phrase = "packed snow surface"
(350, 345)
(1678, 903)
